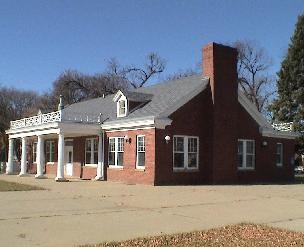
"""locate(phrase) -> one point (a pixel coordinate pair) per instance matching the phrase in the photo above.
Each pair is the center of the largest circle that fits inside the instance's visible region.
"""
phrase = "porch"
(59, 144)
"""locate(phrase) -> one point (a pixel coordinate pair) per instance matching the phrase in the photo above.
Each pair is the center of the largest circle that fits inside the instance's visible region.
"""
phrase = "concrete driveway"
(80, 212)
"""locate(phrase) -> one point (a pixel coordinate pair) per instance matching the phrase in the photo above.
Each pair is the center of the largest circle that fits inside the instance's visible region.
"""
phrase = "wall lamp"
(127, 139)
(264, 143)
(167, 139)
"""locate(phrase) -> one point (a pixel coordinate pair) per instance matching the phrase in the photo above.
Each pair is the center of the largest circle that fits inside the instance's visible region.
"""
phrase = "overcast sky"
(39, 39)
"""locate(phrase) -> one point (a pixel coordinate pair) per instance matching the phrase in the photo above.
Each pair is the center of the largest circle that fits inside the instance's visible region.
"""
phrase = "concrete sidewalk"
(84, 212)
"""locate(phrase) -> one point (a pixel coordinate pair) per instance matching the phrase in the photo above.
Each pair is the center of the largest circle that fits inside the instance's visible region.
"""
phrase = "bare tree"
(75, 87)
(138, 76)
(253, 77)
(14, 104)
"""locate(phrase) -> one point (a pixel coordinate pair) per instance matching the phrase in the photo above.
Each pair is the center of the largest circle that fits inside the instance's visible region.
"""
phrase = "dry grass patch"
(249, 235)
(12, 186)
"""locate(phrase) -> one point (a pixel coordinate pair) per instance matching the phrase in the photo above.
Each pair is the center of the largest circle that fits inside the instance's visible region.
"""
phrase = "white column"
(10, 159)
(60, 164)
(40, 157)
(23, 158)
(100, 166)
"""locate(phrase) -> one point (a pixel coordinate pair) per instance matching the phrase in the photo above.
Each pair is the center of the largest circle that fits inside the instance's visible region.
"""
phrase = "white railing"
(79, 117)
(283, 126)
(37, 120)
(57, 116)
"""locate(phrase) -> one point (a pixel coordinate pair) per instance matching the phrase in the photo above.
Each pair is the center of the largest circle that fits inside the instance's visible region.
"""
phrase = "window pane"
(192, 160)
(112, 144)
(240, 147)
(249, 160)
(179, 144)
(240, 160)
(88, 145)
(95, 157)
(141, 159)
(88, 158)
(122, 107)
(111, 159)
(192, 145)
(95, 148)
(120, 159)
(249, 147)
(178, 159)
(278, 159)
(120, 144)
(141, 143)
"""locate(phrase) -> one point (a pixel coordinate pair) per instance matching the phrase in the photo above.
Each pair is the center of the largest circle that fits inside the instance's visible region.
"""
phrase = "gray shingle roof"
(157, 99)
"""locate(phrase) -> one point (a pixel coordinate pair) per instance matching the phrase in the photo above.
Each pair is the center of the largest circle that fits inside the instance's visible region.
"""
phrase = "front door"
(68, 154)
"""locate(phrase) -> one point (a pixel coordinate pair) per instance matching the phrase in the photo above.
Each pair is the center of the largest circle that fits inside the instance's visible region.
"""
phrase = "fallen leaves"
(245, 235)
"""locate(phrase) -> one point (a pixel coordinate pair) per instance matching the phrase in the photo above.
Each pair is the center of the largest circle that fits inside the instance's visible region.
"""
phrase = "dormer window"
(129, 100)
(122, 108)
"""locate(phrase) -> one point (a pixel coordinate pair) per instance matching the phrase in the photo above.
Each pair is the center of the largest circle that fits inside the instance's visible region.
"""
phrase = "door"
(68, 154)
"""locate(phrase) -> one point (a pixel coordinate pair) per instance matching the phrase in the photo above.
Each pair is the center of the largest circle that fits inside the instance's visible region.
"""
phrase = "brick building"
(194, 130)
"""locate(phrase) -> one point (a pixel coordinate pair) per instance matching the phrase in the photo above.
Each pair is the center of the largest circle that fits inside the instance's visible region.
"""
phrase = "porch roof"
(68, 128)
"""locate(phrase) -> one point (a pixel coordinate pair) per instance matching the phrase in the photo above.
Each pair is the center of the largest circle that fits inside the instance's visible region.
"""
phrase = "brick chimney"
(220, 65)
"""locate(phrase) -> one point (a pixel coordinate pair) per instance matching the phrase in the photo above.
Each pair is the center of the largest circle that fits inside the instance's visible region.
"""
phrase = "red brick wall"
(79, 170)
(129, 173)
(265, 165)
(192, 119)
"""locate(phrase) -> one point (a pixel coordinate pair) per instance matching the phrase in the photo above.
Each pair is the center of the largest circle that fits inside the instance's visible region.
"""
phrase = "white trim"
(115, 167)
(118, 95)
(71, 129)
(122, 99)
(186, 154)
(137, 166)
(244, 166)
(149, 121)
(279, 134)
(130, 129)
(281, 154)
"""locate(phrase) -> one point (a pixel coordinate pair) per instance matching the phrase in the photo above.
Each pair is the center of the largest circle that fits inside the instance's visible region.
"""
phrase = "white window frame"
(92, 152)
(281, 154)
(244, 153)
(116, 151)
(122, 98)
(186, 138)
(137, 151)
(51, 151)
(34, 152)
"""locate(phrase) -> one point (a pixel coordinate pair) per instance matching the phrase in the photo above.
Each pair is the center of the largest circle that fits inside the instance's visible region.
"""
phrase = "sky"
(39, 39)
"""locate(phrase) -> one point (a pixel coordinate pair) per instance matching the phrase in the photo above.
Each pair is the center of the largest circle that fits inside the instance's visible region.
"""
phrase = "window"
(246, 154)
(185, 152)
(116, 151)
(141, 151)
(49, 151)
(91, 151)
(279, 154)
(122, 107)
(35, 152)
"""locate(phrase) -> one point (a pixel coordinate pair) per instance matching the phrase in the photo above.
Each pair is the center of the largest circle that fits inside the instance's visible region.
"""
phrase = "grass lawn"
(237, 235)
(11, 186)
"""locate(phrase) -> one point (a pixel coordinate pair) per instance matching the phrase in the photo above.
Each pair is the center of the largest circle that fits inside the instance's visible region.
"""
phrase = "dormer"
(121, 104)
(127, 101)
